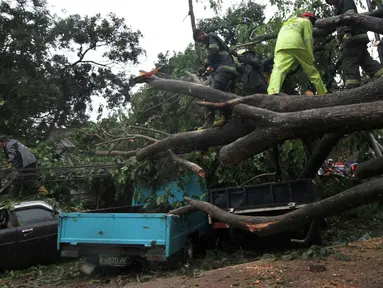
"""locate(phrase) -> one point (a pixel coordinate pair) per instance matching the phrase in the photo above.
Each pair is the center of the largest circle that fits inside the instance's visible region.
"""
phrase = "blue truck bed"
(143, 232)
(119, 233)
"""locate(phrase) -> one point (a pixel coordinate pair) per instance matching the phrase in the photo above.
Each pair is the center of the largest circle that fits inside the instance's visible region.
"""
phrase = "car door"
(8, 241)
(37, 233)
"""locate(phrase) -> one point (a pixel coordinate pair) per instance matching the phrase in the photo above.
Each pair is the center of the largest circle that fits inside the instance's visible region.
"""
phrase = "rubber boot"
(209, 119)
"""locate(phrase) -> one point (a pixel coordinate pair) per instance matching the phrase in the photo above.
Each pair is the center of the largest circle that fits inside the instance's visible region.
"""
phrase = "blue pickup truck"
(117, 236)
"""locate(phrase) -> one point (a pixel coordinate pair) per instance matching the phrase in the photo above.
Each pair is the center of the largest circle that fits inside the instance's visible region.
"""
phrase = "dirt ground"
(358, 264)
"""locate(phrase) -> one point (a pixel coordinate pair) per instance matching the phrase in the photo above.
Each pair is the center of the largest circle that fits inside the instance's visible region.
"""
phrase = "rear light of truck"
(218, 225)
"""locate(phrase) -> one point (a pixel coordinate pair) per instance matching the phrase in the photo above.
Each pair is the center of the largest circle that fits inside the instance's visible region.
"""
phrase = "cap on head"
(308, 15)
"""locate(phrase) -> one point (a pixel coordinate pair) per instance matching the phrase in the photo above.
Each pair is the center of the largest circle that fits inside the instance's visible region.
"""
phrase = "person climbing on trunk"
(251, 73)
(295, 47)
(21, 158)
(353, 44)
(219, 57)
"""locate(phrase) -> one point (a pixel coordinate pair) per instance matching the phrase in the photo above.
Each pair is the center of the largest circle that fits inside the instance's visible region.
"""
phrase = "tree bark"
(196, 169)
(370, 92)
(270, 225)
(188, 88)
(365, 22)
(198, 140)
(183, 210)
(195, 140)
(276, 128)
(370, 168)
(319, 155)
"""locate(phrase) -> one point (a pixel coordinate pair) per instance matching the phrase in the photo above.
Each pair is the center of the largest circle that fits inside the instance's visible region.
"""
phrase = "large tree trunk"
(195, 140)
(370, 168)
(270, 225)
(276, 128)
(370, 92)
(365, 22)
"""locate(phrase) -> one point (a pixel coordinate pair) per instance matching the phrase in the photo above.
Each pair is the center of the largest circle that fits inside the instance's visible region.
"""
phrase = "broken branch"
(270, 225)
(301, 124)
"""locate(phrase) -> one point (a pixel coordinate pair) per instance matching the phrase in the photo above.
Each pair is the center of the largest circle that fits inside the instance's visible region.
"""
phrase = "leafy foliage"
(40, 85)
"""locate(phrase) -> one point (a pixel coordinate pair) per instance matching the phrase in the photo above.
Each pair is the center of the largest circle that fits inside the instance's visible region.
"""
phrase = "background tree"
(40, 87)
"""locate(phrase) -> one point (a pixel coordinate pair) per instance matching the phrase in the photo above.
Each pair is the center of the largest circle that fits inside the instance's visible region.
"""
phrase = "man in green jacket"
(225, 69)
(354, 47)
(295, 47)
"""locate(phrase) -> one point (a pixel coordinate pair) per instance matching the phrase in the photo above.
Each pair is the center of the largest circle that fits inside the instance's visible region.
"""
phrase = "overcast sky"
(162, 23)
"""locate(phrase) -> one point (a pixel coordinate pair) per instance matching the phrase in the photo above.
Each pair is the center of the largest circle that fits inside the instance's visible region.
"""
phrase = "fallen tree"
(196, 169)
(368, 93)
(365, 22)
(276, 128)
(370, 168)
(237, 128)
(365, 193)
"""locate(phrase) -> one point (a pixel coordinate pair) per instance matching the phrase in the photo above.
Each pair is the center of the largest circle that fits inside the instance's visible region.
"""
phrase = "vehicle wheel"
(188, 250)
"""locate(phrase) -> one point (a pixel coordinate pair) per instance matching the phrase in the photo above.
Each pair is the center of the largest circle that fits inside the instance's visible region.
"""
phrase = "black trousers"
(222, 80)
(356, 55)
(28, 181)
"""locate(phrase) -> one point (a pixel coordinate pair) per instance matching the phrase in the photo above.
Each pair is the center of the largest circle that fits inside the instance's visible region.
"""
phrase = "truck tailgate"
(110, 228)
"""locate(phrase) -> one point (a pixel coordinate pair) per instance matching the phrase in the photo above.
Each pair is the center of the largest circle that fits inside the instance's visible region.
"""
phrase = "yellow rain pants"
(288, 60)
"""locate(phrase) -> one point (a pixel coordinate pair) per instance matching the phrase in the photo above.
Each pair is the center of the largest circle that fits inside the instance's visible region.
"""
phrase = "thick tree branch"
(370, 92)
(198, 140)
(270, 225)
(187, 164)
(370, 168)
(366, 22)
(188, 88)
(300, 124)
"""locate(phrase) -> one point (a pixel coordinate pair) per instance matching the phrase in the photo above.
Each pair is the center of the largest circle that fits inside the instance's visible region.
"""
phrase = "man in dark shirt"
(252, 77)
(22, 159)
(354, 47)
(225, 69)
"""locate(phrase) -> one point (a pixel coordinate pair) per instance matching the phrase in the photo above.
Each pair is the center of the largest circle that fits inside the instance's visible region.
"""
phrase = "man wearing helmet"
(354, 47)
(251, 71)
(225, 69)
(295, 47)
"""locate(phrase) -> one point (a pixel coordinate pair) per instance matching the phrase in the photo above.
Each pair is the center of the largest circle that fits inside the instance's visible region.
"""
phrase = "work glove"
(201, 70)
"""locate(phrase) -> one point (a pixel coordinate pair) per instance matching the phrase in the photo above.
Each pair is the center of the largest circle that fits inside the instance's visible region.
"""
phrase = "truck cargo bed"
(268, 195)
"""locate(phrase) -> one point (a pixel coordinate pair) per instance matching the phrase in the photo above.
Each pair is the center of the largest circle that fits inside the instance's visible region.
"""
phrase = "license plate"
(113, 260)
